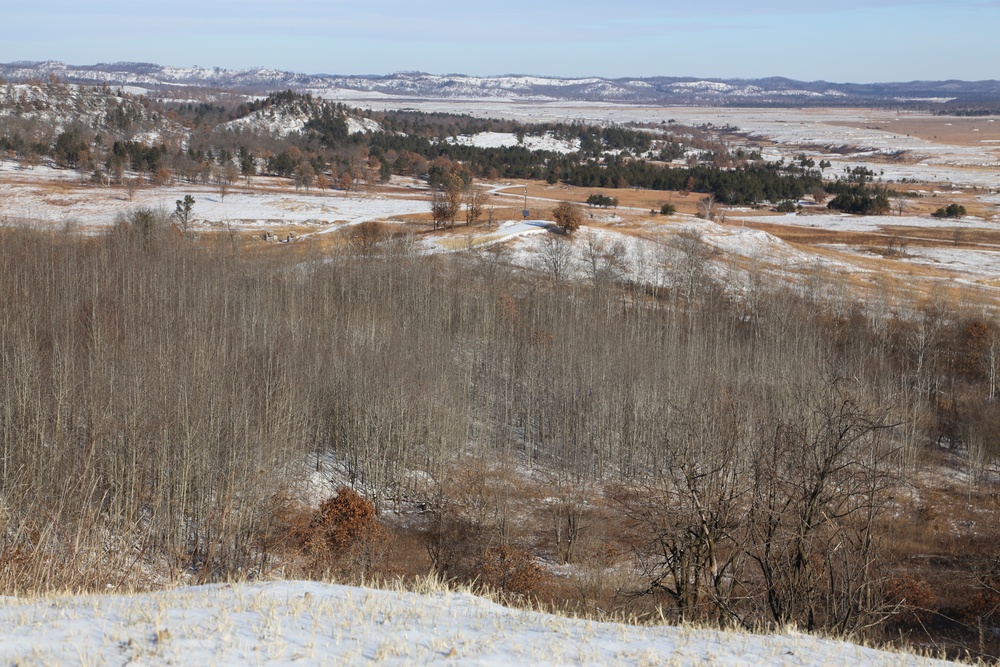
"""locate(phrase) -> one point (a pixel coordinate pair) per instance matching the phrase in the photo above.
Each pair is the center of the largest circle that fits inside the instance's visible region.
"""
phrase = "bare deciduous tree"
(708, 207)
(555, 257)
(474, 200)
(690, 270)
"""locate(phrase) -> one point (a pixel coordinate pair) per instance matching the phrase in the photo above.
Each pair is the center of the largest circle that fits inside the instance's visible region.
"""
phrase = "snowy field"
(308, 623)
(24, 198)
(975, 263)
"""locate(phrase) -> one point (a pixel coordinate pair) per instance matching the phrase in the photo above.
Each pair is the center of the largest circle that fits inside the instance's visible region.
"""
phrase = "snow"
(362, 125)
(753, 244)
(476, 237)
(281, 122)
(309, 623)
(546, 142)
(277, 121)
(350, 94)
(981, 263)
(843, 222)
(62, 104)
(326, 210)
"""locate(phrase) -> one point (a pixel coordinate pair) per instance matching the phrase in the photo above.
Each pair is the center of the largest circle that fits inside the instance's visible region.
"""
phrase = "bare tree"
(440, 209)
(690, 271)
(130, 185)
(227, 175)
(452, 189)
(474, 200)
(820, 483)
(304, 176)
(708, 207)
(693, 517)
(603, 260)
(555, 256)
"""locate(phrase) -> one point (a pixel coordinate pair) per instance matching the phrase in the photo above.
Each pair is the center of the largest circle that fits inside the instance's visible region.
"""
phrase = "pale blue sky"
(836, 40)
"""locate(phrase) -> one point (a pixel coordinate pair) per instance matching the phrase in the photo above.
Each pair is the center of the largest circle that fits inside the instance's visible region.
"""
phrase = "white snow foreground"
(309, 623)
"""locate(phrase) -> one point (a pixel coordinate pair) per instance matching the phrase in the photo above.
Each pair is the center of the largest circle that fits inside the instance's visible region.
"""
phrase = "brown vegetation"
(752, 461)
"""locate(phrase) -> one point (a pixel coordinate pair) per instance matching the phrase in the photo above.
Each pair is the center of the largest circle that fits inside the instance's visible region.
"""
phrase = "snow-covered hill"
(308, 623)
(127, 114)
(284, 120)
(61, 105)
(418, 85)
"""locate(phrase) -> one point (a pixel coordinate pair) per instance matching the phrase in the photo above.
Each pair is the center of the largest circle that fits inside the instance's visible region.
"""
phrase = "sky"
(859, 41)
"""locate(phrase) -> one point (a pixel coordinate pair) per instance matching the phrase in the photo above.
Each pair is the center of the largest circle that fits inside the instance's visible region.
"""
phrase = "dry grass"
(954, 130)
(931, 237)
(645, 200)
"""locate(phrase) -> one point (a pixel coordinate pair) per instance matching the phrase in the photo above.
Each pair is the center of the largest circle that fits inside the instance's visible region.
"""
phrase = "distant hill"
(775, 91)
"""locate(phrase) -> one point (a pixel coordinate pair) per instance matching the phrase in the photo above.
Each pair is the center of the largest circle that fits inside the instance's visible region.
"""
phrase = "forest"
(179, 407)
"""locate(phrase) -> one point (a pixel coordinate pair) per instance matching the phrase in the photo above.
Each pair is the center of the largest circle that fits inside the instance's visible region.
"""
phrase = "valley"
(378, 343)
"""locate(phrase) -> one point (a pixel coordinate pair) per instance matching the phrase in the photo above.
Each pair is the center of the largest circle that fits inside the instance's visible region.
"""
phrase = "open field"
(956, 131)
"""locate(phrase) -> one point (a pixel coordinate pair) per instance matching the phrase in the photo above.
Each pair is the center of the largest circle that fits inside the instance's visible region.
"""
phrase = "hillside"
(308, 623)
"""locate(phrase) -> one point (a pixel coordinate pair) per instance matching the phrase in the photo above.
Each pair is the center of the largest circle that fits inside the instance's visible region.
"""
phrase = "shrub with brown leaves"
(512, 571)
(346, 537)
(913, 599)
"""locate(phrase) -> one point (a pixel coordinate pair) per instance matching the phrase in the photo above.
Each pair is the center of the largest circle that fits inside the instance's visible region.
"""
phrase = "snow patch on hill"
(362, 125)
(283, 121)
(277, 121)
(309, 623)
(546, 142)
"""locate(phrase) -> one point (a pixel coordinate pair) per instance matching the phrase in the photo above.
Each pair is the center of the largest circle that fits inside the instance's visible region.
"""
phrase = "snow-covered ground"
(309, 623)
(642, 245)
(977, 263)
(532, 142)
(24, 198)
(282, 122)
(843, 222)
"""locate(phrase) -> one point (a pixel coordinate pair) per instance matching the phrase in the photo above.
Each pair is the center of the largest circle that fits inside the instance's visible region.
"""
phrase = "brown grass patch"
(647, 200)
(958, 131)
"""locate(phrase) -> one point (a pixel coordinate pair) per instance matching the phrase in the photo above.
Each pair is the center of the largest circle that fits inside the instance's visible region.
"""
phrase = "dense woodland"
(742, 461)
